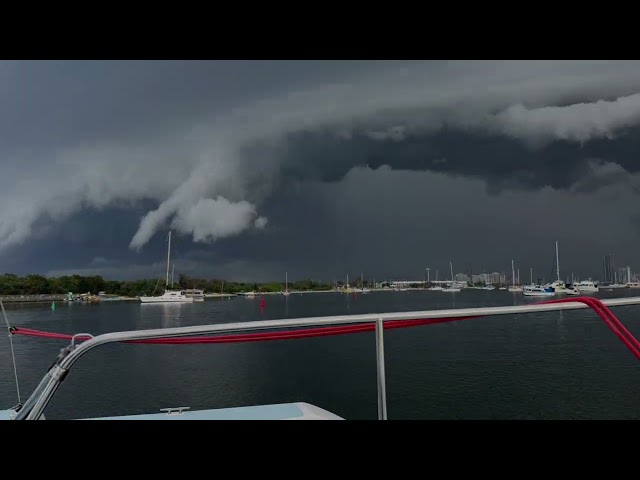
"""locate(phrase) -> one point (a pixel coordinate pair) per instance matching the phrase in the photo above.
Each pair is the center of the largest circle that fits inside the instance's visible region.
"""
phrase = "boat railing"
(35, 405)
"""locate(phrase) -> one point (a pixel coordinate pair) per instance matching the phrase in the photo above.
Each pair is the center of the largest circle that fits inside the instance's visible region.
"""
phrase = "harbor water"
(553, 365)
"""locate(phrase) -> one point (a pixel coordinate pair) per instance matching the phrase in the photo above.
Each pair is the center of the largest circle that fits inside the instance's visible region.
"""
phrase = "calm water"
(558, 365)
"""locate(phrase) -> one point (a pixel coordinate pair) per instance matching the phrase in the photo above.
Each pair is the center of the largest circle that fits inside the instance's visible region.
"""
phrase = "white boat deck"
(6, 414)
(283, 411)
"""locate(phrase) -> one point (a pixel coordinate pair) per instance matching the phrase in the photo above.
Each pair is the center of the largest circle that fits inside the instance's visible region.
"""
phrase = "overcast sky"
(318, 168)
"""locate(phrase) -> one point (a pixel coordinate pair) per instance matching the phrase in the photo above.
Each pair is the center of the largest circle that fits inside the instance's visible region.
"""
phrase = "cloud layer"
(387, 223)
(210, 144)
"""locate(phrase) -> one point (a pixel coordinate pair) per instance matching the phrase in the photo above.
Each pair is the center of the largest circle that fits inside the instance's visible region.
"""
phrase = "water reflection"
(560, 326)
(169, 314)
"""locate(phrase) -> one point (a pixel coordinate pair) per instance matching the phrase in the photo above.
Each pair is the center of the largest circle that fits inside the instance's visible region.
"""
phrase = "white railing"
(37, 402)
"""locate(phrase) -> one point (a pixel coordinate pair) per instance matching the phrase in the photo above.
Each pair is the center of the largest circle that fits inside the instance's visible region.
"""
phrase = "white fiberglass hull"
(538, 291)
(165, 300)
(169, 296)
(284, 411)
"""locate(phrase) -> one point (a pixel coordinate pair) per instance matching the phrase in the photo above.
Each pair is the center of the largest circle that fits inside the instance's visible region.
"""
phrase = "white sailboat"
(533, 290)
(362, 289)
(514, 287)
(286, 284)
(453, 287)
(347, 287)
(558, 286)
(169, 296)
(437, 286)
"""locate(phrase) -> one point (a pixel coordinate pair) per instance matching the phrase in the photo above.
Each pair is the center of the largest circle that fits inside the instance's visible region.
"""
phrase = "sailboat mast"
(513, 274)
(557, 261)
(168, 259)
(173, 268)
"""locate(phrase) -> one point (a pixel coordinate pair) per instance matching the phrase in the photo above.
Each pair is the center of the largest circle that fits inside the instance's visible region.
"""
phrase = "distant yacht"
(537, 291)
(437, 286)
(454, 286)
(196, 293)
(513, 287)
(286, 284)
(587, 286)
(169, 296)
(572, 291)
(362, 289)
(558, 286)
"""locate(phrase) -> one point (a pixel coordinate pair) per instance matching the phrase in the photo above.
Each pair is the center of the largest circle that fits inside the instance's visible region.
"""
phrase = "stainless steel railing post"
(382, 391)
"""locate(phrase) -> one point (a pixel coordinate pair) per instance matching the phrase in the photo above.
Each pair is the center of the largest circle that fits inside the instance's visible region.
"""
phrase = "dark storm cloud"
(391, 224)
(504, 163)
(398, 223)
(217, 150)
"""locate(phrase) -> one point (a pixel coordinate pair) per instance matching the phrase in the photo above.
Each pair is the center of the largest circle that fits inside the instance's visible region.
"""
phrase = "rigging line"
(13, 356)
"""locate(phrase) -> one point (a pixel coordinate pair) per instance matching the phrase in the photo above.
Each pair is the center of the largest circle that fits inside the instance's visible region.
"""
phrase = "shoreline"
(62, 298)
(47, 298)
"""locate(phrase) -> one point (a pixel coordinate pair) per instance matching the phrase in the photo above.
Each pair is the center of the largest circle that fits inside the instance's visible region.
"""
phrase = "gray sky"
(318, 168)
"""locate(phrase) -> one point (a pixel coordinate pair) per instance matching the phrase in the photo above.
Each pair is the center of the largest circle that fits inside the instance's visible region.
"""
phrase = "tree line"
(11, 284)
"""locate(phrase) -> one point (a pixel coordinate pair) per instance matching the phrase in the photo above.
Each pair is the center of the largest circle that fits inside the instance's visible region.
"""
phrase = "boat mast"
(168, 259)
(513, 274)
(557, 262)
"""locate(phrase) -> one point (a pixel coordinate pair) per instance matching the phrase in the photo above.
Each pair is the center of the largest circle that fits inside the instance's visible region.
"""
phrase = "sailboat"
(362, 289)
(286, 284)
(437, 286)
(169, 296)
(558, 286)
(347, 287)
(533, 290)
(453, 287)
(514, 287)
